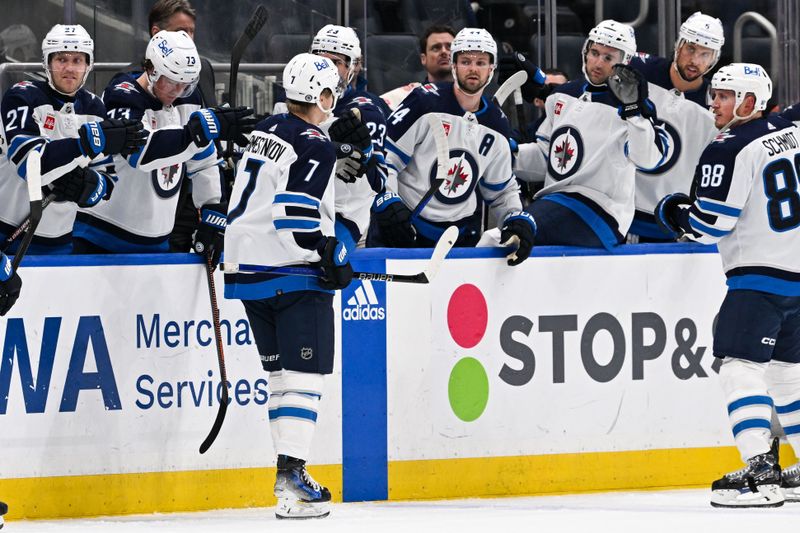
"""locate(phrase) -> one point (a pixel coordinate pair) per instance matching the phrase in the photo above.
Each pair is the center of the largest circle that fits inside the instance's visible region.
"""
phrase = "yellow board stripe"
(152, 492)
(163, 492)
(563, 473)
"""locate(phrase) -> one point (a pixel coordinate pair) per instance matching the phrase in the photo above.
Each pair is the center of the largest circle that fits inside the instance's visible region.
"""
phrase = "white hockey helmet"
(614, 34)
(339, 40)
(173, 54)
(475, 40)
(305, 76)
(744, 78)
(703, 30)
(67, 38)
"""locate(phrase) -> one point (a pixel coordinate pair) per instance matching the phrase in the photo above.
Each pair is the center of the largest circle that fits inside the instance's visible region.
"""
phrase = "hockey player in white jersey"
(597, 131)
(141, 214)
(283, 213)
(679, 92)
(366, 132)
(479, 159)
(65, 122)
(746, 200)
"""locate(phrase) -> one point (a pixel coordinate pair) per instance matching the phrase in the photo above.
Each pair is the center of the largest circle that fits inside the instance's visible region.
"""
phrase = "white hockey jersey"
(588, 155)
(689, 126)
(281, 208)
(141, 212)
(353, 200)
(748, 201)
(34, 116)
(479, 159)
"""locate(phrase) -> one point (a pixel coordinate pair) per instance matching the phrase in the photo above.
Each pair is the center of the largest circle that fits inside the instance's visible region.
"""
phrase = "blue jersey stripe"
(293, 412)
(718, 208)
(300, 199)
(785, 409)
(754, 423)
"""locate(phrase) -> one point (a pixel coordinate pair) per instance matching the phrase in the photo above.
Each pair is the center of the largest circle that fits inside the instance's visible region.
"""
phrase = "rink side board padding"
(578, 370)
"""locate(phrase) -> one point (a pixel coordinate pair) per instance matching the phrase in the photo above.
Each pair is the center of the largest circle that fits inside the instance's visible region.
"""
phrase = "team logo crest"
(49, 122)
(446, 126)
(566, 152)
(167, 180)
(362, 100)
(125, 86)
(673, 148)
(723, 136)
(462, 177)
(24, 85)
(558, 107)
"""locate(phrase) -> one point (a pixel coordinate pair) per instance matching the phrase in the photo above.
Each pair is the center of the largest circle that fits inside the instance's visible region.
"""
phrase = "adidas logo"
(364, 304)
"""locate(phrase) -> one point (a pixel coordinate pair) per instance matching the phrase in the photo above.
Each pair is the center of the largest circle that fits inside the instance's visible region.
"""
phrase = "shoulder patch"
(430, 88)
(723, 136)
(126, 87)
(313, 134)
(361, 100)
(24, 84)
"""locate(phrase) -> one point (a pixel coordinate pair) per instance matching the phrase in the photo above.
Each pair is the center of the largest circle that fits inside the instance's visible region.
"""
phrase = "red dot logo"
(467, 315)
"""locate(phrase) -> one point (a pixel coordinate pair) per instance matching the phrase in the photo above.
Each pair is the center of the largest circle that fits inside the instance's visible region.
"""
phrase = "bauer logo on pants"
(363, 304)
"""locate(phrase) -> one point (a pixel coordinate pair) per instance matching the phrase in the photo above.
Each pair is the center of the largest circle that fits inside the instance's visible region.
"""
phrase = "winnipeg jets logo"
(362, 100)
(125, 86)
(566, 152)
(461, 179)
(723, 136)
(673, 144)
(166, 181)
(24, 85)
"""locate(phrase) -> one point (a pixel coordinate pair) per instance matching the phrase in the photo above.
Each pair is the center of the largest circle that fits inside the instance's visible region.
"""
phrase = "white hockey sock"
(784, 387)
(296, 414)
(276, 389)
(749, 405)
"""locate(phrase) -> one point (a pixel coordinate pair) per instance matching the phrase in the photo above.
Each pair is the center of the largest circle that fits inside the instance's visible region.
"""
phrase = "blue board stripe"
(365, 462)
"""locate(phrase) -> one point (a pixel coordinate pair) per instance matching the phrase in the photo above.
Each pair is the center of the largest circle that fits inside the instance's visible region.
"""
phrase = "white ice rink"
(684, 511)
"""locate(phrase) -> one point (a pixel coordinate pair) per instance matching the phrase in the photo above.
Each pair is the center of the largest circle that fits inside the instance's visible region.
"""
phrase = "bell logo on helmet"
(752, 71)
(164, 47)
(321, 65)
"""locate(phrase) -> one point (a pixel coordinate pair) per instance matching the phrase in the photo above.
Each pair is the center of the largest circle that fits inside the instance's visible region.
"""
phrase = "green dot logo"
(468, 387)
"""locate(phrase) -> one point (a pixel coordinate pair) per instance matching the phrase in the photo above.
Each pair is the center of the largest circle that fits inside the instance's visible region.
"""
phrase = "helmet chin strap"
(737, 118)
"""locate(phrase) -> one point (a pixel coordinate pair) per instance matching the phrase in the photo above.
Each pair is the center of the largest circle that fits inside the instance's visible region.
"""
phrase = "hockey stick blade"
(33, 175)
(513, 83)
(223, 403)
(440, 251)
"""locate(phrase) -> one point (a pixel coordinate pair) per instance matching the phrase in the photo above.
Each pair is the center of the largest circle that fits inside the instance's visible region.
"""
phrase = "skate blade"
(300, 510)
(767, 496)
(792, 494)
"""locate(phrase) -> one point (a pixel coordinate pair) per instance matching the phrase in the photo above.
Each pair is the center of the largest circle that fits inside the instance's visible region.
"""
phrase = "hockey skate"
(790, 482)
(758, 484)
(299, 495)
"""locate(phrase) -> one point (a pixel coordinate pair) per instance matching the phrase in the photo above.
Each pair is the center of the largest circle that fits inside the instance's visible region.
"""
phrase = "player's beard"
(682, 72)
(470, 86)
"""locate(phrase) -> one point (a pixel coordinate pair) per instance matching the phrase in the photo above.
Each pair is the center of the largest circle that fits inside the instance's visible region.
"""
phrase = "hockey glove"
(518, 229)
(630, 88)
(394, 221)
(351, 164)
(209, 238)
(84, 186)
(10, 285)
(112, 136)
(533, 86)
(224, 123)
(349, 129)
(335, 264)
(668, 213)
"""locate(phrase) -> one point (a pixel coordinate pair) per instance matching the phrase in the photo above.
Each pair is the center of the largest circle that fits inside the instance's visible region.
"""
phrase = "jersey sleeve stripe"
(494, 186)
(295, 224)
(707, 230)
(210, 149)
(296, 199)
(399, 153)
(15, 149)
(718, 209)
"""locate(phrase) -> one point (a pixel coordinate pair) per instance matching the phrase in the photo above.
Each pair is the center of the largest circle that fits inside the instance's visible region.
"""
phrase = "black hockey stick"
(33, 175)
(440, 251)
(223, 402)
(254, 25)
(26, 223)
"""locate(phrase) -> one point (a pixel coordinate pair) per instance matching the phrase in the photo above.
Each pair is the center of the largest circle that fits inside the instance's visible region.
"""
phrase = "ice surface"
(684, 511)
